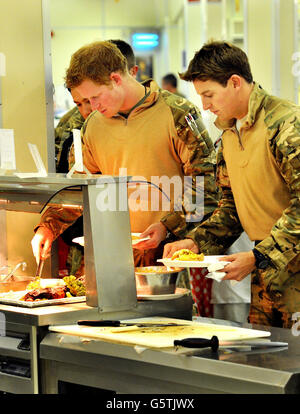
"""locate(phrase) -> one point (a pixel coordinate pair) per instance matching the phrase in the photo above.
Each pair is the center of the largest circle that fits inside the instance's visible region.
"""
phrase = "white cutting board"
(160, 337)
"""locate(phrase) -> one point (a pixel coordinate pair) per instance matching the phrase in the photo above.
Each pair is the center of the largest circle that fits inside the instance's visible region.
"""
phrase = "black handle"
(99, 323)
(212, 343)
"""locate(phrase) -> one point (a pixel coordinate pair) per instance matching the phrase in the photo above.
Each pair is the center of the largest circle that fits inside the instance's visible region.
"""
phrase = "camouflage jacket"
(201, 161)
(71, 120)
(280, 126)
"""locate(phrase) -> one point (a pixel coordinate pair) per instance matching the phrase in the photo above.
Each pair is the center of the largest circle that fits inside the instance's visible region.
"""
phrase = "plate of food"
(79, 240)
(186, 258)
(136, 238)
(43, 292)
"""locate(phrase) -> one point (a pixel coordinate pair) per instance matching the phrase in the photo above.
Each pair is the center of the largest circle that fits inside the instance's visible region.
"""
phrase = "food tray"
(13, 300)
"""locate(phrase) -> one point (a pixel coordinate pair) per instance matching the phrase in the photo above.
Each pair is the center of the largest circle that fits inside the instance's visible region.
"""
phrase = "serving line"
(139, 369)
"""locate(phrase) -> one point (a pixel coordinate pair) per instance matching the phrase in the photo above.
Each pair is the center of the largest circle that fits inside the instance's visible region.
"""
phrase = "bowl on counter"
(15, 283)
(156, 280)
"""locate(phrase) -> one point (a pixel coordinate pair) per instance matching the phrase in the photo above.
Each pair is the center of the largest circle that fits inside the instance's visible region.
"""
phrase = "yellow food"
(75, 286)
(35, 284)
(188, 255)
(156, 270)
(134, 237)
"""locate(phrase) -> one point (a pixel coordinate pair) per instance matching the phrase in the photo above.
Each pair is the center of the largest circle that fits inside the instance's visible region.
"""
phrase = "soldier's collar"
(255, 102)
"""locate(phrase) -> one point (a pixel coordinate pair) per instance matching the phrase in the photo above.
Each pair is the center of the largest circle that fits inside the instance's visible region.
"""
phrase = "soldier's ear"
(236, 81)
(116, 78)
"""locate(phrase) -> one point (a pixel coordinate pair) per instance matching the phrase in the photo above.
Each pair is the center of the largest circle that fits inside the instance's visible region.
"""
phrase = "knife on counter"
(124, 324)
(214, 343)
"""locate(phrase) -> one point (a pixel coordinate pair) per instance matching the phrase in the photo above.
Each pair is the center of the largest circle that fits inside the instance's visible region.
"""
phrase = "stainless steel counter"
(124, 369)
(20, 367)
(65, 314)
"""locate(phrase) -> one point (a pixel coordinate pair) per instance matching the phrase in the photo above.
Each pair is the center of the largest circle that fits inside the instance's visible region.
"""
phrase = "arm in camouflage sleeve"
(282, 246)
(216, 234)
(58, 219)
(197, 154)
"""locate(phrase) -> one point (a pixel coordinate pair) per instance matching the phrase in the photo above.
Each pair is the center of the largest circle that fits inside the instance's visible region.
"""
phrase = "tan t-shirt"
(249, 161)
(146, 146)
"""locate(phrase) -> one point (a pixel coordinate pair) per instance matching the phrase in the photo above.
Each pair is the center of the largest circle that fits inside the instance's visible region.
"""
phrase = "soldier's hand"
(41, 243)
(171, 248)
(241, 264)
(157, 233)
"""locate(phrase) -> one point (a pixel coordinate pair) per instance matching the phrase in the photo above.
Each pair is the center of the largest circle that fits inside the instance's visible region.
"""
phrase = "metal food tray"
(39, 303)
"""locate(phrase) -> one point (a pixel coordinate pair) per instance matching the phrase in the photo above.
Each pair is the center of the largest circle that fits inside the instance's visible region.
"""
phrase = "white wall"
(25, 97)
(77, 22)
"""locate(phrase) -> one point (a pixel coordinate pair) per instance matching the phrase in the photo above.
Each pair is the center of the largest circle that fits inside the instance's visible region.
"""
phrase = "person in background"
(169, 83)
(74, 119)
(259, 174)
(138, 127)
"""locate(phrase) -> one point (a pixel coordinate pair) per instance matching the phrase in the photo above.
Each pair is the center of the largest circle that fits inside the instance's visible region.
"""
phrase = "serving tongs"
(39, 269)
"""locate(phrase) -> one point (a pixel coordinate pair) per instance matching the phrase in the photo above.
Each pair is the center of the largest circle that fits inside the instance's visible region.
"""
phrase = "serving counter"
(20, 367)
(126, 369)
(109, 269)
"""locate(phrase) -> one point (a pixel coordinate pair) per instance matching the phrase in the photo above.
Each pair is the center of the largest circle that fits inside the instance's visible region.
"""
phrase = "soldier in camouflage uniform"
(74, 119)
(138, 127)
(259, 174)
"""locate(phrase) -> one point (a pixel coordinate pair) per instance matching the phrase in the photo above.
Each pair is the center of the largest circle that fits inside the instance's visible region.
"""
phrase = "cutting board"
(160, 337)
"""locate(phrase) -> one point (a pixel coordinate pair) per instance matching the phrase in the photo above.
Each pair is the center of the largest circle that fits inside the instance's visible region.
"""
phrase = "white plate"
(178, 293)
(14, 298)
(138, 240)
(80, 240)
(210, 262)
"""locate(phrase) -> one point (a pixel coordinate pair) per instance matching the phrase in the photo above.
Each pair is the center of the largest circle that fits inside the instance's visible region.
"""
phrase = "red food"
(58, 292)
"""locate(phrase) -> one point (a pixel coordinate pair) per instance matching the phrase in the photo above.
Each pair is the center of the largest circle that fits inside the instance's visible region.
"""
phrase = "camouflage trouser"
(274, 312)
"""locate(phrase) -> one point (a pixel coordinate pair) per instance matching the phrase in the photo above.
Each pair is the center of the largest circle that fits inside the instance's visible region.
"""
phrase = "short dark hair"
(95, 61)
(126, 51)
(170, 79)
(218, 61)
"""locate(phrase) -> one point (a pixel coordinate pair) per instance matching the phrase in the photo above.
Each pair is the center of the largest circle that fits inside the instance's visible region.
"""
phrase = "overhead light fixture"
(145, 41)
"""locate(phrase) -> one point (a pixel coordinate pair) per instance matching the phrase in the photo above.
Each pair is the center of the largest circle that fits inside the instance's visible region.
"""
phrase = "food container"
(15, 283)
(155, 280)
